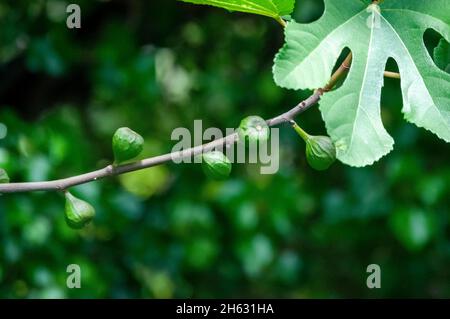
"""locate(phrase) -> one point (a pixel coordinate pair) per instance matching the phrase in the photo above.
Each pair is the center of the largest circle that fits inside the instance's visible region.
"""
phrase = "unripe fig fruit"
(4, 178)
(320, 152)
(78, 213)
(126, 144)
(253, 129)
(216, 165)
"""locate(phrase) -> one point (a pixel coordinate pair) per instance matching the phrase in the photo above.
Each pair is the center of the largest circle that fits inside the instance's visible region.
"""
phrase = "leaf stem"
(281, 21)
(343, 68)
(392, 75)
(300, 131)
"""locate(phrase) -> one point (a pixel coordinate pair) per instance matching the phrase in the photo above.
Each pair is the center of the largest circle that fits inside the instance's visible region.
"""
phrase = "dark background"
(169, 231)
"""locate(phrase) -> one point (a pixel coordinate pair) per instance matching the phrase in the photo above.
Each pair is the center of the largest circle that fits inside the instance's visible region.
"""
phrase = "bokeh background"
(168, 231)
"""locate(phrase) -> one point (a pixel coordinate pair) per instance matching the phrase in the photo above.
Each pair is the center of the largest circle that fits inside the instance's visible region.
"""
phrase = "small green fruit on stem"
(4, 178)
(216, 165)
(126, 144)
(78, 213)
(253, 129)
(320, 150)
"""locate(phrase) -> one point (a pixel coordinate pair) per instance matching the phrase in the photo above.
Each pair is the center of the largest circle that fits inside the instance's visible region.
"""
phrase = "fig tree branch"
(111, 170)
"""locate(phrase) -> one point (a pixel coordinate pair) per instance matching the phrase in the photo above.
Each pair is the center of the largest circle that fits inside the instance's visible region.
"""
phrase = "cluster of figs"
(127, 145)
(320, 150)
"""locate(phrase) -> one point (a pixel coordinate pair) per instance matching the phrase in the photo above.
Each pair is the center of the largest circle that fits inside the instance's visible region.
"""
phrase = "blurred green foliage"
(169, 231)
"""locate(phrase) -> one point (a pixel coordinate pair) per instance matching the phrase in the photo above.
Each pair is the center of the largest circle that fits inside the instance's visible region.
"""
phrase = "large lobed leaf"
(269, 8)
(373, 33)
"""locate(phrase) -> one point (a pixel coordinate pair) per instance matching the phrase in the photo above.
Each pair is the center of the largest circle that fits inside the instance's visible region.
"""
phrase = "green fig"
(127, 144)
(78, 212)
(216, 165)
(253, 129)
(4, 178)
(320, 150)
